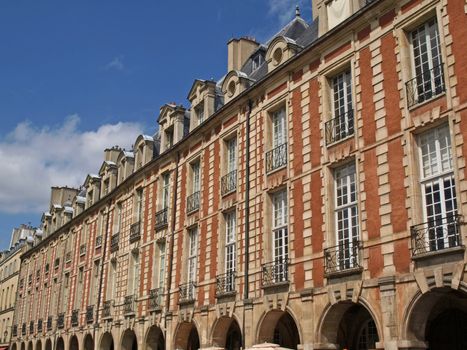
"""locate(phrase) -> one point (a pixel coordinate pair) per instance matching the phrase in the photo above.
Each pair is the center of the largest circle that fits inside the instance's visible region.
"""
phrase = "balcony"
(90, 314)
(425, 86)
(14, 331)
(107, 309)
(114, 242)
(23, 329)
(186, 293)
(276, 158)
(155, 299)
(229, 183)
(49, 323)
(161, 218)
(129, 304)
(68, 257)
(99, 241)
(343, 258)
(82, 249)
(225, 284)
(61, 320)
(339, 127)
(436, 235)
(192, 202)
(135, 232)
(39, 325)
(275, 273)
(75, 318)
(31, 327)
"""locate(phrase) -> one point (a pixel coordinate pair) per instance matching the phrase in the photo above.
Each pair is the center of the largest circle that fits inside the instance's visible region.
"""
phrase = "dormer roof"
(199, 83)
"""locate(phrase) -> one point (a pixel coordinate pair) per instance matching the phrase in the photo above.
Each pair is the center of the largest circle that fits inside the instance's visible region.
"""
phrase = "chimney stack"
(239, 50)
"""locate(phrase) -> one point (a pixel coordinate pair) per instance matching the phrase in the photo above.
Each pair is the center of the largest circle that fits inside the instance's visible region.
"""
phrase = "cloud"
(284, 10)
(33, 159)
(116, 64)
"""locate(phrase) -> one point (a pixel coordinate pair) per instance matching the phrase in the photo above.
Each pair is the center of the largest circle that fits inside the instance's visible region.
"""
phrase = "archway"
(39, 345)
(30, 346)
(439, 318)
(349, 326)
(74, 345)
(48, 344)
(155, 339)
(279, 327)
(187, 337)
(60, 344)
(13, 346)
(23, 346)
(88, 342)
(227, 334)
(107, 342)
(129, 341)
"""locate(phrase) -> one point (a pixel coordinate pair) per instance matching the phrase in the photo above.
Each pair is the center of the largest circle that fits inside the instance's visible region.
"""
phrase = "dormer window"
(199, 110)
(90, 198)
(106, 186)
(257, 62)
(169, 138)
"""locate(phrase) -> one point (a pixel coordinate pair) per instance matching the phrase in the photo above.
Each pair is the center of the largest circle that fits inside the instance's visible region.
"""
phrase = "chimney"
(239, 50)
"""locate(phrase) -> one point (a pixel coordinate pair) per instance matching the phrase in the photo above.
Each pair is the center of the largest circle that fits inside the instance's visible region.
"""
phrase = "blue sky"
(76, 77)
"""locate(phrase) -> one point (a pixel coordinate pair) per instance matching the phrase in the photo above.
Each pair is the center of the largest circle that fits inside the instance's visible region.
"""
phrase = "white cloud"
(33, 159)
(284, 10)
(116, 63)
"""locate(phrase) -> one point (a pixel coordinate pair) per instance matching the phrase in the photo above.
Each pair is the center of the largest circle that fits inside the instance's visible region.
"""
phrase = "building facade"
(313, 198)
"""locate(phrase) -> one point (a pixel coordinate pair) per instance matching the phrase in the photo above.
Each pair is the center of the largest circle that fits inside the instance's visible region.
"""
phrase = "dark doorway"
(193, 340)
(233, 339)
(286, 332)
(448, 331)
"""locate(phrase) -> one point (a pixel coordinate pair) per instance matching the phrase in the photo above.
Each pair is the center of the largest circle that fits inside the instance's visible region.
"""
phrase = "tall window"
(118, 218)
(342, 123)
(200, 112)
(133, 282)
(169, 138)
(346, 216)
(279, 128)
(192, 254)
(231, 155)
(230, 249)
(280, 234)
(438, 188)
(161, 247)
(427, 63)
(196, 177)
(139, 205)
(165, 190)
(112, 279)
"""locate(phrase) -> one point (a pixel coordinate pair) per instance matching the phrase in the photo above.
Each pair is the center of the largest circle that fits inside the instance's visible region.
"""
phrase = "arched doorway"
(349, 326)
(13, 346)
(107, 342)
(129, 341)
(88, 342)
(23, 346)
(439, 318)
(279, 327)
(187, 337)
(48, 344)
(30, 346)
(155, 339)
(74, 345)
(227, 334)
(39, 345)
(60, 344)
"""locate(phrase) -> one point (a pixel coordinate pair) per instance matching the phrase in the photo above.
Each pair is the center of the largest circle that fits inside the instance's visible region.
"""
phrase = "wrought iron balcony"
(39, 325)
(99, 241)
(275, 272)
(74, 318)
(90, 314)
(129, 304)
(225, 284)
(107, 309)
(61, 320)
(82, 250)
(161, 218)
(23, 329)
(229, 183)
(343, 257)
(339, 127)
(192, 202)
(49, 323)
(436, 235)
(186, 293)
(135, 232)
(425, 86)
(114, 242)
(155, 298)
(276, 158)
(14, 330)
(31, 327)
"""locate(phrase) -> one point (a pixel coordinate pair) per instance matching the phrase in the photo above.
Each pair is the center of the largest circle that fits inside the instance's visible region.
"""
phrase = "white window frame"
(231, 145)
(196, 176)
(279, 127)
(165, 190)
(230, 252)
(192, 259)
(139, 204)
(161, 278)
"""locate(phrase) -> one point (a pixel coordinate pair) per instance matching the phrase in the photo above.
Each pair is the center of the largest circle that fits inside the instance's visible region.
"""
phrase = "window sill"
(226, 295)
(421, 104)
(441, 252)
(342, 140)
(276, 169)
(343, 273)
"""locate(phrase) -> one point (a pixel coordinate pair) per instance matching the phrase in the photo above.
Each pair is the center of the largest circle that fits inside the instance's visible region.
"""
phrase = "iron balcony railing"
(107, 309)
(90, 314)
(135, 232)
(99, 241)
(74, 318)
(225, 284)
(229, 182)
(23, 329)
(61, 320)
(114, 242)
(186, 292)
(31, 327)
(275, 272)
(339, 127)
(435, 235)
(343, 257)
(39, 325)
(161, 218)
(425, 86)
(192, 202)
(155, 298)
(276, 158)
(82, 249)
(49, 323)
(129, 304)
(14, 330)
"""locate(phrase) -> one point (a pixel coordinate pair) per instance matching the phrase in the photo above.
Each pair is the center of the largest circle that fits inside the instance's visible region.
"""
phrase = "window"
(195, 169)
(106, 186)
(133, 277)
(90, 198)
(438, 191)
(257, 62)
(118, 218)
(161, 247)
(192, 255)
(200, 112)
(230, 250)
(169, 138)
(279, 227)
(427, 66)
(193, 199)
(139, 205)
(342, 123)
(277, 157)
(229, 181)
(165, 190)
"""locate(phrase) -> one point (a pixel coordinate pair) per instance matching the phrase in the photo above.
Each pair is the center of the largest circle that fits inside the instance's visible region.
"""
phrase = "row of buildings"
(312, 198)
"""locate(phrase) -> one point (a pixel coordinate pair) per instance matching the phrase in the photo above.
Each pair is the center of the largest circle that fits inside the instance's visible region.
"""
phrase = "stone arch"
(88, 342)
(186, 336)
(74, 343)
(347, 324)
(60, 344)
(107, 342)
(30, 345)
(226, 333)
(437, 318)
(13, 346)
(38, 344)
(155, 339)
(279, 327)
(129, 340)
(23, 346)
(48, 344)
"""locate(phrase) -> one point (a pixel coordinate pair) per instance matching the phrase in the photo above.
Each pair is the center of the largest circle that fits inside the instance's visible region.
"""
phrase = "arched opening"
(88, 342)
(129, 341)
(279, 327)
(107, 342)
(30, 346)
(48, 344)
(23, 346)
(60, 344)
(38, 345)
(187, 337)
(74, 345)
(13, 346)
(439, 318)
(349, 326)
(227, 334)
(155, 339)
